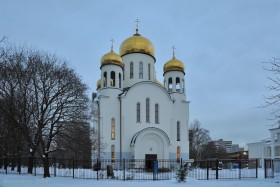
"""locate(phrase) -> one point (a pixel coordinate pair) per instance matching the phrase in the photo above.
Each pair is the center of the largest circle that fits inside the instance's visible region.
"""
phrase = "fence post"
(240, 163)
(217, 169)
(97, 168)
(124, 169)
(6, 164)
(73, 168)
(207, 169)
(54, 166)
(34, 165)
(257, 168)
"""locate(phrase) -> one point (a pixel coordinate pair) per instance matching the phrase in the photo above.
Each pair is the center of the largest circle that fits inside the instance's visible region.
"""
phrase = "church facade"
(136, 116)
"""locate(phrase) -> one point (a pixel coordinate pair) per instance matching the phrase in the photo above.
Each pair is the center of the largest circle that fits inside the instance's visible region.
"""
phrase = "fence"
(271, 168)
(135, 169)
(98, 169)
(224, 169)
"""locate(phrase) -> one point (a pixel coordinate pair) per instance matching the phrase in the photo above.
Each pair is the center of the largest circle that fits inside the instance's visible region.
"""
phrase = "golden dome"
(174, 65)
(111, 58)
(137, 44)
(98, 84)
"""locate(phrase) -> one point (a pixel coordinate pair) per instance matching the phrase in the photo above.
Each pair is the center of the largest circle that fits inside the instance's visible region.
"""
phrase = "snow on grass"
(14, 180)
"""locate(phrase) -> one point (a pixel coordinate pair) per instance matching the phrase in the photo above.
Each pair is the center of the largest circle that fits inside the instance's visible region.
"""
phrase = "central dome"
(137, 44)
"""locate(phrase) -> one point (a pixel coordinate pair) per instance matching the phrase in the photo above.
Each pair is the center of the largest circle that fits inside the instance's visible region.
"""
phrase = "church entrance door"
(149, 161)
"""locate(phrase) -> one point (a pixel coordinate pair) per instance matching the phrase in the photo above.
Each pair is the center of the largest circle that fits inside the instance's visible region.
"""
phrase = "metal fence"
(98, 169)
(224, 169)
(131, 169)
(271, 168)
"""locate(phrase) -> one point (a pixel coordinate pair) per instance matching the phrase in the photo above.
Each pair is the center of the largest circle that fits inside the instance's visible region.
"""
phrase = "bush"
(181, 174)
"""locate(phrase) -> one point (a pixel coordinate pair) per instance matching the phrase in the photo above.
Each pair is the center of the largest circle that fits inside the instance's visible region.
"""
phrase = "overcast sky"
(222, 43)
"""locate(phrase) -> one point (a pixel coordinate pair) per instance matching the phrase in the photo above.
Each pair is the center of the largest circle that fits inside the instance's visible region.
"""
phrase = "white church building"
(136, 116)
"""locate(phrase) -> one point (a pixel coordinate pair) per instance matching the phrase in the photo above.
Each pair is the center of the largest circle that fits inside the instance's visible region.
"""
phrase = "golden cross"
(112, 44)
(137, 22)
(173, 48)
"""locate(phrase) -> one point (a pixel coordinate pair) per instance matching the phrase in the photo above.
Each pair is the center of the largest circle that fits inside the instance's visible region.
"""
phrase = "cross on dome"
(173, 49)
(137, 22)
(112, 45)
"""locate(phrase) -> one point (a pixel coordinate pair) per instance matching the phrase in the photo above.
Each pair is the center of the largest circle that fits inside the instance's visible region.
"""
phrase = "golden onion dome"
(137, 44)
(98, 84)
(111, 58)
(174, 65)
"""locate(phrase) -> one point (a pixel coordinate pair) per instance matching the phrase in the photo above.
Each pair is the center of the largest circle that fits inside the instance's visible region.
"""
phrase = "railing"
(271, 167)
(132, 169)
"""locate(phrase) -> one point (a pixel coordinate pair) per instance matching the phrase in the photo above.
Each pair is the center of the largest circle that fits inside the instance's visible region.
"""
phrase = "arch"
(113, 79)
(170, 84)
(178, 87)
(105, 79)
(150, 130)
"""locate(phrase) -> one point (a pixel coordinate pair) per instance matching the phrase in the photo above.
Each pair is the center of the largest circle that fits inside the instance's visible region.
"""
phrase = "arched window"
(170, 84)
(113, 153)
(123, 71)
(131, 70)
(149, 71)
(147, 110)
(177, 84)
(120, 80)
(178, 131)
(140, 70)
(105, 79)
(156, 114)
(113, 79)
(178, 153)
(138, 113)
(113, 129)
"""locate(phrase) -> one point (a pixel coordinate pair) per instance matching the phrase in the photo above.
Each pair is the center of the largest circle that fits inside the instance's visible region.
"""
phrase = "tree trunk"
(31, 162)
(46, 165)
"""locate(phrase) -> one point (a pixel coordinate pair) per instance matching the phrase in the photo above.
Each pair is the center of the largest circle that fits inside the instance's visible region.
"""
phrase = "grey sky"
(222, 43)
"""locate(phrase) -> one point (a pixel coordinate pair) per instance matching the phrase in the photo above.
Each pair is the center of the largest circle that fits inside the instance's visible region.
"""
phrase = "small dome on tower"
(111, 58)
(98, 84)
(174, 65)
(137, 44)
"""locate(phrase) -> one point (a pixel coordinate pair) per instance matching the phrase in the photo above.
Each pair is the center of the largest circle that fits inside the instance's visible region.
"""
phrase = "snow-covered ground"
(14, 180)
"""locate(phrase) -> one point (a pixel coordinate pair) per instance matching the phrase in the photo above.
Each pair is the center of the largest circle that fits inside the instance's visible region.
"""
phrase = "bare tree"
(199, 138)
(273, 100)
(44, 94)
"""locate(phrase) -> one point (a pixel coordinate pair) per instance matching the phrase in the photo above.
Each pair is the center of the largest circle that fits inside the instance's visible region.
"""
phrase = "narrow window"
(113, 79)
(183, 85)
(113, 153)
(138, 112)
(178, 131)
(177, 84)
(149, 71)
(105, 79)
(178, 154)
(156, 114)
(131, 70)
(120, 80)
(140, 70)
(113, 129)
(170, 84)
(123, 71)
(147, 110)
